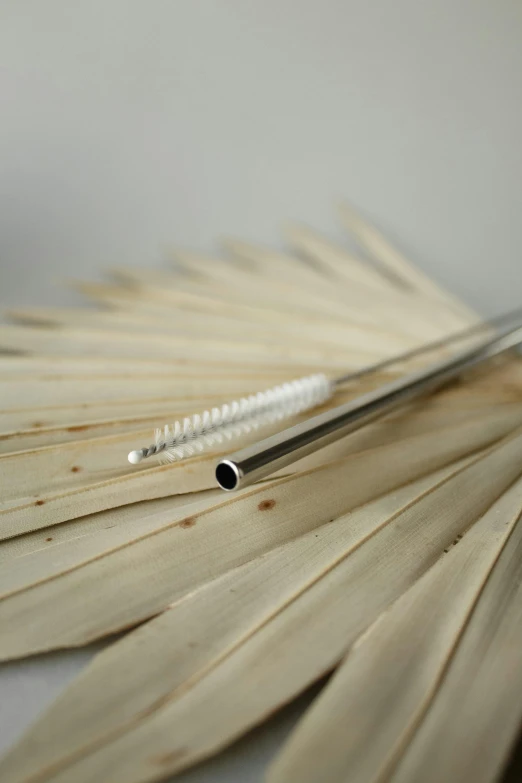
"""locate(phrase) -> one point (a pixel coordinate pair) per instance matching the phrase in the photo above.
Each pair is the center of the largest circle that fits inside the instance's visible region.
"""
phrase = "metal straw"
(260, 460)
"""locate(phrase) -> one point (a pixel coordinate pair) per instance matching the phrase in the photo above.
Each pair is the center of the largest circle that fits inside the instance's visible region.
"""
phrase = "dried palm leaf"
(235, 604)
(393, 671)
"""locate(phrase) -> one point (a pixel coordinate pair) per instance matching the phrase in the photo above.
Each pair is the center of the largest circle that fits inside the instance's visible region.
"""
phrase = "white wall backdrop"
(131, 125)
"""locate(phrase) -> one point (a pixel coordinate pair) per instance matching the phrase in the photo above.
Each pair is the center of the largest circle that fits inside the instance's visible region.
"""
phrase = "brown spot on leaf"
(78, 428)
(75, 469)
(166, 759)
(49, 539)
(188, 522)
(266, 505)
(39, 502)
(37, 424)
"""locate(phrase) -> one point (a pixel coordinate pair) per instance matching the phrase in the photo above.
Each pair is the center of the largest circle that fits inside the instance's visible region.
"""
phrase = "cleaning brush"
(210, 428)
(206, 430)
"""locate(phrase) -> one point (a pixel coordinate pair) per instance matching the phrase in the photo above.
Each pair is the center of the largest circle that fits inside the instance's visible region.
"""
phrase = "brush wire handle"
(204, 431)
(211, 428)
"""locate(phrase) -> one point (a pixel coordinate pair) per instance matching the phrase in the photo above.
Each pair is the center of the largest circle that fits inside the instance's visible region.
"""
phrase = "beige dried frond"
(392, 555)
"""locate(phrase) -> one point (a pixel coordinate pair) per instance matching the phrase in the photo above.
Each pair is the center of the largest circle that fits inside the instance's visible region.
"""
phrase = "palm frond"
(391, 555)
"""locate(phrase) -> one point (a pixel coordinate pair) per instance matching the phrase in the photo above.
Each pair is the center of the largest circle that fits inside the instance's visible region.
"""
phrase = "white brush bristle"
(204, 431)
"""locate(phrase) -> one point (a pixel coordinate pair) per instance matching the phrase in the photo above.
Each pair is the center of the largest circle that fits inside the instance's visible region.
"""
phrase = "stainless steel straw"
(260, 460)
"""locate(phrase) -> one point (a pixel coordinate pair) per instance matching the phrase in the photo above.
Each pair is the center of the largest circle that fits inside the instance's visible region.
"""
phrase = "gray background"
(127, 126)
(130, 126)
